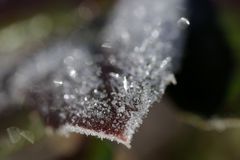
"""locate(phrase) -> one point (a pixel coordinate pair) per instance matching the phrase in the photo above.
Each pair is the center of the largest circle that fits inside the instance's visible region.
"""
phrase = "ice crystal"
(183, 22)
(16, 134)
(108, 93)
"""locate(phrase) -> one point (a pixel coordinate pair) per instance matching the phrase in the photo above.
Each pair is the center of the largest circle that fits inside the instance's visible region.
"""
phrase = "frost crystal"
(15, 135)
(107, 94)
(183, 22)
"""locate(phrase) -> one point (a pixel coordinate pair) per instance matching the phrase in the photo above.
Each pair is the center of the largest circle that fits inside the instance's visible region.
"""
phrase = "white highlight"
(65, 129)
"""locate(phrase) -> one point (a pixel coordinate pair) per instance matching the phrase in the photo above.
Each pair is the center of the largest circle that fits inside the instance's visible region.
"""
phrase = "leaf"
(106, 92)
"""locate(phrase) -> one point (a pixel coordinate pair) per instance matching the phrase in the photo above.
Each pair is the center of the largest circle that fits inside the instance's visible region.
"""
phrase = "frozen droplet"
(121, 109)
(183, 22)
(106, 45)
(58, 83)
(114, 102)
(114, 75)
(62, 115)
(73, 73)
(147, 73)
(101, 122)
(125, 83)
(112, 59)
(155, 34)
(125, 36)
(66, 97)
(165, 62)
(69, 60)
(95, 91)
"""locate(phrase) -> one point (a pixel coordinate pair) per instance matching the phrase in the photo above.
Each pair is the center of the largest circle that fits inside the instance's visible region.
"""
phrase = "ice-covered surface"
(108, 91)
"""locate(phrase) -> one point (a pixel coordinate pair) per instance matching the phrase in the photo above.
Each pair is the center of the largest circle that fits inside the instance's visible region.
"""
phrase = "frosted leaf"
(108, 93)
